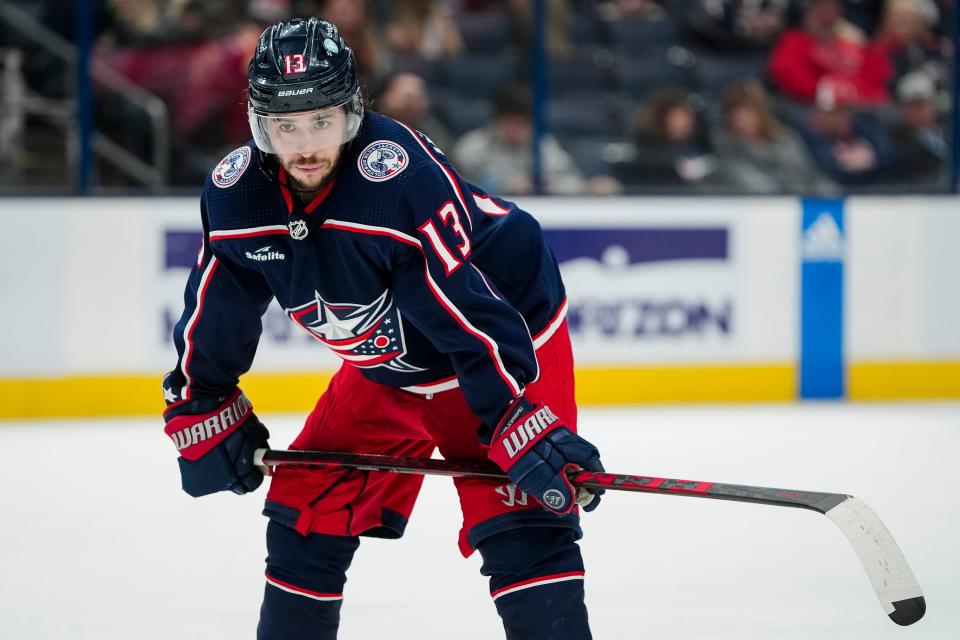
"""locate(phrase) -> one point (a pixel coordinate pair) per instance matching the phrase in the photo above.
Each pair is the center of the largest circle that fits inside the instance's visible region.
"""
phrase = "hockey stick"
(892, 580)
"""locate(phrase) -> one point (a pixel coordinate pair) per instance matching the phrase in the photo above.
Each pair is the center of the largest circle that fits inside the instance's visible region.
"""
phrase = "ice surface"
(97, 540)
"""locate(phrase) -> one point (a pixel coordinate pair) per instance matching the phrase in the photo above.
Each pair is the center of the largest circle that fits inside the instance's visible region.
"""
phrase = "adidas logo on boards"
(264, 254)
(823, 240)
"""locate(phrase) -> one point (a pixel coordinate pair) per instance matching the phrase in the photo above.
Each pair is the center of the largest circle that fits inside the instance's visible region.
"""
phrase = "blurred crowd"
(744, 96)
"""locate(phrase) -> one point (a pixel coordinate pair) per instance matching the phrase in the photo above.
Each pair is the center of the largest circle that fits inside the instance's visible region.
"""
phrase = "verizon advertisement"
(662, 292)
(686, 281)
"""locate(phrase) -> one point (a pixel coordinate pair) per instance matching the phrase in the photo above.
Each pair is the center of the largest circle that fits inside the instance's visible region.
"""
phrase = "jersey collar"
(288, 196)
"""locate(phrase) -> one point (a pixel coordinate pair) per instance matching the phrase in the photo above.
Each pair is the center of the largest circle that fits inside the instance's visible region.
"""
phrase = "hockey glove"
(216, 438)
(536, 450)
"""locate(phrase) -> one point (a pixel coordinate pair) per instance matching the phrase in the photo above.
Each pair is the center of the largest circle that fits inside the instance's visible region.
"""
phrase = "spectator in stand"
(157, 23)
(423, 29)
(630, 10)
(559, 15)
(919, 135)
(403, 96)
(759, 154)
(498, 157)
(133, 22)
(828, 54)
(848, 148)
(267, 12)
(671, 146)
(735, 25)
(906, 40)
(202, 84)
(864, 13)
(358, 28)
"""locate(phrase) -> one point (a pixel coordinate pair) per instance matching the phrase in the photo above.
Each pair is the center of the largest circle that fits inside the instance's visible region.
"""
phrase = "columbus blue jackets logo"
(382, 160)
(231, 168)
(365, 335)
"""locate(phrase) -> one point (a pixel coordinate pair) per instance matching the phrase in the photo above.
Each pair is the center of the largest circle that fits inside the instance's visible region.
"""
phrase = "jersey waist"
(539, 339)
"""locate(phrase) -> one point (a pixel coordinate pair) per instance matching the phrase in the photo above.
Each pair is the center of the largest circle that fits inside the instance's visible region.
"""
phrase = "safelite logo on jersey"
(265, 254)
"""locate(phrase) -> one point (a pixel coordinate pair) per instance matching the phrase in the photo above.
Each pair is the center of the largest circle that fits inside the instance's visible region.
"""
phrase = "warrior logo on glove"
(517, 435)
(537, 451)
(554, 499)
(195, 435)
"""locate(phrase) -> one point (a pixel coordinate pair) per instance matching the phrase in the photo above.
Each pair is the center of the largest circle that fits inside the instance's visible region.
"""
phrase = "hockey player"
(446, 306)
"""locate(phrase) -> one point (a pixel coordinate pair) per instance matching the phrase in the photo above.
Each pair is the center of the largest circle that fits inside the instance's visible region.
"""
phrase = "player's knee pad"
(536, 581)
(305, 578)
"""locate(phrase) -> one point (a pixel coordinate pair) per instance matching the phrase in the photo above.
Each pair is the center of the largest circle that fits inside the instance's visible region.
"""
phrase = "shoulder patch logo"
(382, 160)
(231, 168)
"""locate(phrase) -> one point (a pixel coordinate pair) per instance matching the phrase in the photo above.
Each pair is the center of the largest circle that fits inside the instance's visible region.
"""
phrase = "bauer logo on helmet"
(295, 92)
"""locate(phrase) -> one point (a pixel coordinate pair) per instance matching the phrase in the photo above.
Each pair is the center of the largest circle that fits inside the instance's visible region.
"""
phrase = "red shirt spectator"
(906, 39)
(201, 82)
(829, 54)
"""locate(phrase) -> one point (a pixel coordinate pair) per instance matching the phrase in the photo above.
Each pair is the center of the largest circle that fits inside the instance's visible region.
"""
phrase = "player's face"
(310, 171)
(308, 145)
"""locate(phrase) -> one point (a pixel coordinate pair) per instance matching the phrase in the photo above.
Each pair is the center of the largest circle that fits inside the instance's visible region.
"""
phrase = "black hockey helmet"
(301, 66)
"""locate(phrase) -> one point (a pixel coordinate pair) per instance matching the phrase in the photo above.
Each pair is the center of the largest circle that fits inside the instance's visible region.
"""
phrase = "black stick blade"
(906, 612)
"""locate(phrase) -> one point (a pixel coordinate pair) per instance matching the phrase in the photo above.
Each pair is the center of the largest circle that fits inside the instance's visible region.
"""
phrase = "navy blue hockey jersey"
(400, 266)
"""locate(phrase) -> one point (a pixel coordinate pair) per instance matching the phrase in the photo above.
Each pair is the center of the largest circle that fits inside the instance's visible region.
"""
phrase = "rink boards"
(671, 299)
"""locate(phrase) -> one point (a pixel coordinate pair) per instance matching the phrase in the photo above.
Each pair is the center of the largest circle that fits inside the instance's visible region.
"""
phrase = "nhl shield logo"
(298, 229)
(382, 160)
(231, 168)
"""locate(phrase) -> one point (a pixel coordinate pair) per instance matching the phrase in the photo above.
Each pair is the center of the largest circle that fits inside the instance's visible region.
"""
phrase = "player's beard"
(327, 170)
